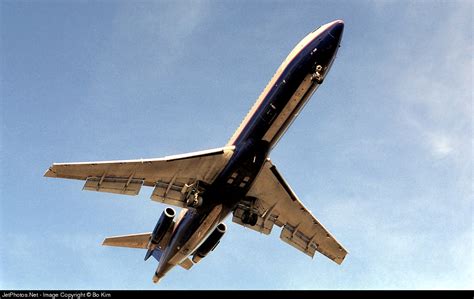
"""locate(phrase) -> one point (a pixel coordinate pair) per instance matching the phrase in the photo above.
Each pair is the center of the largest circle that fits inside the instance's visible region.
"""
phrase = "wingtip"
(339, 259)
(106, 242)
(49, 173)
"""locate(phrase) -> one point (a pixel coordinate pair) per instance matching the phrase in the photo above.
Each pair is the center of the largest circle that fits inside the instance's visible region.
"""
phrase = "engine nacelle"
(162, 226)
(211, 242)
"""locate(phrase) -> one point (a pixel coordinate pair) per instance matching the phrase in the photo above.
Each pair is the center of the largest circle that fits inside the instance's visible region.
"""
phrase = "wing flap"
(114, 185)
(297, 240)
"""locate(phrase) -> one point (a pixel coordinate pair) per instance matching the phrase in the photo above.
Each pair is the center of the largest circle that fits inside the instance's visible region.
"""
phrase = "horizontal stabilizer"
(130, 241)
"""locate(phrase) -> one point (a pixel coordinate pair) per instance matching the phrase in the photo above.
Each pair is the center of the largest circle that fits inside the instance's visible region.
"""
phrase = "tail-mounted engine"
(211, 242)
(162, 226)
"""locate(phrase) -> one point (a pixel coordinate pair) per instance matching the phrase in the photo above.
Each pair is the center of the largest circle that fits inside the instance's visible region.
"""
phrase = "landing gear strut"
(317, 77)
(194, 200)
(193, 195)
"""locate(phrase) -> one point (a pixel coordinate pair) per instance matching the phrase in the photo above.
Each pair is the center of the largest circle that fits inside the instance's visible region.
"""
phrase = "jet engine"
(211, 242)
(162, 226)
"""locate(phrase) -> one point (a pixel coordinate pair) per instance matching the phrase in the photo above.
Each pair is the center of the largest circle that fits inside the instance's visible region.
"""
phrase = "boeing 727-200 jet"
(238, 178)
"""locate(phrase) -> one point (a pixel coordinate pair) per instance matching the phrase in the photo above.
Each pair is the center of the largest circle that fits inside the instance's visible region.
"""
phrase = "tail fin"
(148, 254)
(157, 254)
(130, 241)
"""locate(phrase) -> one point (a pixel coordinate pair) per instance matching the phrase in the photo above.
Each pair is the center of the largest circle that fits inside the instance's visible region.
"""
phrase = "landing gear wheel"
(194, 201)
(250, 219)
(253, 219)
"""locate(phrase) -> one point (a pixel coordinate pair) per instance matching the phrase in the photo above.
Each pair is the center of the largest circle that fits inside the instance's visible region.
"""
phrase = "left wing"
(274, 202)
(170, 176)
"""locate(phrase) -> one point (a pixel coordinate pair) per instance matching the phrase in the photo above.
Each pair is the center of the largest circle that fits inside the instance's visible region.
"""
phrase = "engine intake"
(211, 242)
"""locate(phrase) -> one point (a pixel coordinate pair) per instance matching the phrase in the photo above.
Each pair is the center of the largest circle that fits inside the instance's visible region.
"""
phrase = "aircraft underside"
(237, 179)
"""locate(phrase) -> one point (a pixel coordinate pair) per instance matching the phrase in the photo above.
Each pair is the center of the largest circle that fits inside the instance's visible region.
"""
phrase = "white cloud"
(395, 252)
(441, 146)
(165, 29)
(433, 82)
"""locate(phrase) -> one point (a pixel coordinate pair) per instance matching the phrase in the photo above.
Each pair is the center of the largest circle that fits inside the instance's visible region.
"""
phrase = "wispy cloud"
(397, 254)
(435, 87)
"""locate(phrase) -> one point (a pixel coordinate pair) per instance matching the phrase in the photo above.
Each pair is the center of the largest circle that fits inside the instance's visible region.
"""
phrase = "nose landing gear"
(317, 76)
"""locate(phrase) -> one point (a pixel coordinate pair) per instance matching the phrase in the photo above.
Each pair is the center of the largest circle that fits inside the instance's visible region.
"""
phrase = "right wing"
(170, 176)
(272, 201)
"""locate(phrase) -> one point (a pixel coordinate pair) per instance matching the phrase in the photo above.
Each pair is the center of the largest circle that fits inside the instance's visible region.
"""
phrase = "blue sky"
(382, 154)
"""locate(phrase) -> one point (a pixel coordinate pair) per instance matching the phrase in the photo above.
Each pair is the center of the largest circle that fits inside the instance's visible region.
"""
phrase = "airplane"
(238, 178)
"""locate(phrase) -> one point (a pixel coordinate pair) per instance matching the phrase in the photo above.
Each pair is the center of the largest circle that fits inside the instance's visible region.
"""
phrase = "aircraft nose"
(336, 28)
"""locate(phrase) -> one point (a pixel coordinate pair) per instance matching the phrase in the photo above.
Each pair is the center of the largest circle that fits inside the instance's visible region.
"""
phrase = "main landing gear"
(249, 218)
(250, 215)
(194, 200)
(193, 195)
